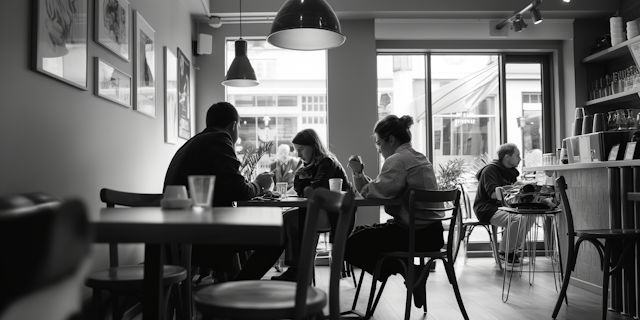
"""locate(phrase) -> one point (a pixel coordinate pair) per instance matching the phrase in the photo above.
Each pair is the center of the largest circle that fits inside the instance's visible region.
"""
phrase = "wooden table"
(155, 227)
(302, 202)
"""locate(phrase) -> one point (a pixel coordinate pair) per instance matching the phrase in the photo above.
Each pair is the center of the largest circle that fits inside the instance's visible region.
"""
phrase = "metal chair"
(469, 223)
(126, 281)
(620, 238)
(282, 299)
(530, 216)
(451, 203)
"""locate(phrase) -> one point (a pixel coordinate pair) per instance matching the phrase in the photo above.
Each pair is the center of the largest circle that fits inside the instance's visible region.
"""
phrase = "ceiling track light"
(517, 16)
(535, 15)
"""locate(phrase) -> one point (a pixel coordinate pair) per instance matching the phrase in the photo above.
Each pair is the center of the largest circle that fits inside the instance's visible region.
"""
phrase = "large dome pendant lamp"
(241, 73)
(306, 25)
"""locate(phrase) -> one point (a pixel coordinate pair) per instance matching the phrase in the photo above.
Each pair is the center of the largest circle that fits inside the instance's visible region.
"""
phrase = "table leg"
(152, 293)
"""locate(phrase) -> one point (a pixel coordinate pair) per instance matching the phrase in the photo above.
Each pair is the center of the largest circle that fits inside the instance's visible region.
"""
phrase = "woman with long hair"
(320, 165)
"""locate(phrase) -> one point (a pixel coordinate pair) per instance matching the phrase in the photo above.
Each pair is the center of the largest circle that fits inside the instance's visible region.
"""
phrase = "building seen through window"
(292, 96)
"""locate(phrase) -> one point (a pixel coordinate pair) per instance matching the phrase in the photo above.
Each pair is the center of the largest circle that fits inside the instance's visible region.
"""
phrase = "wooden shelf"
(611, 53)
(626, 96)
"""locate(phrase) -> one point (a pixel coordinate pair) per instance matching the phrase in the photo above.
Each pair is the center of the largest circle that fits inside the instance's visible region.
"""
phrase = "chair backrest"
(114, 198)
(450, 200)
(466, 208)
(500, 196)
(44, 244)
(128, 199)
(335, 202)
(561, 188)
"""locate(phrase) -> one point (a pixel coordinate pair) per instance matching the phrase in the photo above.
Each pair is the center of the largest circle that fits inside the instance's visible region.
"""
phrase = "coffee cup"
(175, 192)
(335, 184)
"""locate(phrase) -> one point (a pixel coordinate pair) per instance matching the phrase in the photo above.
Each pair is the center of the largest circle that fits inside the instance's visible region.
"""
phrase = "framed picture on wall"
(113, 21)
(112, 84)
(60, 37)
(184, 96)
(170, 97)
(144, 66)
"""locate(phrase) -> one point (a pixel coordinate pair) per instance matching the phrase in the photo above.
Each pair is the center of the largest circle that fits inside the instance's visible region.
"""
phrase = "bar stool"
(535, 211)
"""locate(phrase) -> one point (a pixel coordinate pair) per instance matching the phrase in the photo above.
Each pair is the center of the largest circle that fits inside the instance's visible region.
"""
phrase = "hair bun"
(407, 120)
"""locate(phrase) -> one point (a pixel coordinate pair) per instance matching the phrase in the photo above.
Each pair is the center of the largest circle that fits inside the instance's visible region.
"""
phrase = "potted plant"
(250, 159)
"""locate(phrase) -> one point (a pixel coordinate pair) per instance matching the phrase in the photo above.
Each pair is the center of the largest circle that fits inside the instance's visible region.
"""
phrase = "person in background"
(212, 152)
(320, 165)
(403, 168)
(501, 172)
(284, 167)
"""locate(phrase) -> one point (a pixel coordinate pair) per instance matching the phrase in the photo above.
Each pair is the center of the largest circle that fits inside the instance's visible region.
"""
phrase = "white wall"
(61, 140)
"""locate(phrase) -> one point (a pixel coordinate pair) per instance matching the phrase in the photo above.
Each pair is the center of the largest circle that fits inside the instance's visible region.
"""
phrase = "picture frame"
(184, 96)
(170, 97)
(144, 66)
(60, 45)
(113, 26)
(112, 84)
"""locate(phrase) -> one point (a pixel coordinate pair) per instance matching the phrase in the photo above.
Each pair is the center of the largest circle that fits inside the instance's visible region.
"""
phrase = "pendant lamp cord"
(240, 19)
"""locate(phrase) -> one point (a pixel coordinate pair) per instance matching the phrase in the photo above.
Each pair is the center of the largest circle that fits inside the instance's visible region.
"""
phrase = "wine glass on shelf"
(611, 121)
(631, 120)
(621, 119)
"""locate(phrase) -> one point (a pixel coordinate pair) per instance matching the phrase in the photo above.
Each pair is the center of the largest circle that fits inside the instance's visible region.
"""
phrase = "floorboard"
(480, 283)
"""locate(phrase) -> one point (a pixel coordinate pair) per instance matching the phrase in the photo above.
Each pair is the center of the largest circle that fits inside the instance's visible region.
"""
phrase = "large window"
(291, 97)
(462, 115)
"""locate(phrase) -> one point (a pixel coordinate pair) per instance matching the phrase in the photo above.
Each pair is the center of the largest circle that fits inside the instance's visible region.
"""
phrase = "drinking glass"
(621, 122)
(611, 121)
(281, 187)
(201, 188)
(631, 120)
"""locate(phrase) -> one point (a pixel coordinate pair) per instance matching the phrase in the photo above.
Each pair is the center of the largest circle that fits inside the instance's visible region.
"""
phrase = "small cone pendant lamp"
(241, 73)
(306, 25)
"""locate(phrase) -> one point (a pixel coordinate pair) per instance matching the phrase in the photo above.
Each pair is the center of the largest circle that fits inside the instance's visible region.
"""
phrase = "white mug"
(175, 192)
(335, 184)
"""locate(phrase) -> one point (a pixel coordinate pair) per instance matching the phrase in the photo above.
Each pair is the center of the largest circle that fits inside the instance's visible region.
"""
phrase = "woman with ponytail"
(403, 168)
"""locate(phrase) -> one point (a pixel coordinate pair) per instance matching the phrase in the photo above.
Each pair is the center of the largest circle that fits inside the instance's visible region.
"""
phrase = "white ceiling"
(413, 9)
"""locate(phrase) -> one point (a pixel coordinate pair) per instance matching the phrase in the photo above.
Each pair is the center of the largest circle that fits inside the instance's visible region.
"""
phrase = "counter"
(597, 194)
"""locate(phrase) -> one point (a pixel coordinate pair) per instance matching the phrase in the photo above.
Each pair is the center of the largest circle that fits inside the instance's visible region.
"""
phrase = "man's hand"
(264, 180)
(356, 164)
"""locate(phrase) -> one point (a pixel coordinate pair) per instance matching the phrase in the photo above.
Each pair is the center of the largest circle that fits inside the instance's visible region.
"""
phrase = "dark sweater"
(211, 152)
(318, 174)
(490, 177)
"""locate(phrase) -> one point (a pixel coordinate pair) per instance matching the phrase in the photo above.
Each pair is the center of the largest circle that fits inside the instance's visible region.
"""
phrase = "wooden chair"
(612, 238)
(469, 223)
(125, 281)
(47, 244)
(451, 202)
(281, 299)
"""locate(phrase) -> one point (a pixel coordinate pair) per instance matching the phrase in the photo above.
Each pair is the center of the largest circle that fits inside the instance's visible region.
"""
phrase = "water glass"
(281, 188)
(201, 188)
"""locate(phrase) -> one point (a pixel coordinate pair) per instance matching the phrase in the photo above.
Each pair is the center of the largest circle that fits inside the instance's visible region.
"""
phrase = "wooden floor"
(480, 282)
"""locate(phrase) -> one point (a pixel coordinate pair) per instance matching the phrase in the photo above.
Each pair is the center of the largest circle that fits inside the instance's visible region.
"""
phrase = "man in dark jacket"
(500, 173)
(212, 152)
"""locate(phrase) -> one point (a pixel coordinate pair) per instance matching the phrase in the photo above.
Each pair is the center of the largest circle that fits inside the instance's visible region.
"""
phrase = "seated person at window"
(211, 152)
(501, 172)
(403, 168)
(285, 166)
(320, 165)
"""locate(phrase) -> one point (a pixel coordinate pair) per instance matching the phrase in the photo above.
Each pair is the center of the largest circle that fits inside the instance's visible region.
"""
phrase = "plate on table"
(530, 206)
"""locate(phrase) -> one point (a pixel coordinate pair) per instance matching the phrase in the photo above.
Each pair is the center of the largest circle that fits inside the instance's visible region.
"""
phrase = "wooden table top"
(302, 202)
(219, 225)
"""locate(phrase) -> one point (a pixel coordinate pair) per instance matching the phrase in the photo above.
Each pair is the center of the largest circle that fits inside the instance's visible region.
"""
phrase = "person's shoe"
(511, 258)
(290, 275)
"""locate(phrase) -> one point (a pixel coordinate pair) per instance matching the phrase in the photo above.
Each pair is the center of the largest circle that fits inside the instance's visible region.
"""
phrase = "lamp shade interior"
(306, 25)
